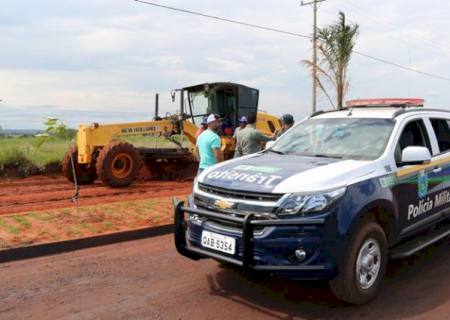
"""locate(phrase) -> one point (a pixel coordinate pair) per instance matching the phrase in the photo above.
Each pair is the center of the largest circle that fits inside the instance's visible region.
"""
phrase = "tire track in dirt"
(42, 193)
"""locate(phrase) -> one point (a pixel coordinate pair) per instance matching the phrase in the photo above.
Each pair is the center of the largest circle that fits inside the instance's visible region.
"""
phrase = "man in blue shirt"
(208, 144)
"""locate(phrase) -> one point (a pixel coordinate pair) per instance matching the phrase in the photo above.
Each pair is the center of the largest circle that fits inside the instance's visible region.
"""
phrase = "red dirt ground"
(43, 192)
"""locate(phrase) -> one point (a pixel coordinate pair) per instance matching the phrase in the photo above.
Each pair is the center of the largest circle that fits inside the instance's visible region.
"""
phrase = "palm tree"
(335, 47)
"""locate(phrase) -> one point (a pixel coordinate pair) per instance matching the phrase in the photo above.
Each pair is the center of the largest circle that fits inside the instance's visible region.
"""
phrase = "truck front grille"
(239, 194)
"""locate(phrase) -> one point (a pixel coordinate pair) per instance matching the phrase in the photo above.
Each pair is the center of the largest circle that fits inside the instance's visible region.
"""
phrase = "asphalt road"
(146, 279)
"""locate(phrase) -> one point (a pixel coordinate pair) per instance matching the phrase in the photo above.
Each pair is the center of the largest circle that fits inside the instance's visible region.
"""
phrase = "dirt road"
(42, 193)
(146, 279)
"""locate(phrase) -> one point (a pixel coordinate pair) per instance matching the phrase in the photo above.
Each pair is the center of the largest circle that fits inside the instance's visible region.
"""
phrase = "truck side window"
(442, 131)
(414, 134)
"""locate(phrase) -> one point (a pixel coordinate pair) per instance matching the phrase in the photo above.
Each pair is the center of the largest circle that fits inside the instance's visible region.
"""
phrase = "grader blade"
(181, 169)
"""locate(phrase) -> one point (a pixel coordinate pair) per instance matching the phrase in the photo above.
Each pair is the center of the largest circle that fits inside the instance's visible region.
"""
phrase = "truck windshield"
(201, 103)
(346, 138)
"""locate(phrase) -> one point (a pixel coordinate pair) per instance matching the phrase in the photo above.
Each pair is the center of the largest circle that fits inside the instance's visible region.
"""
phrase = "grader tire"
(118, 164)
(86, 173)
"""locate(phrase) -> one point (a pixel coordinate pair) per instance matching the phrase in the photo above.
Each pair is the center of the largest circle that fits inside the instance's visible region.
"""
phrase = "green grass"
(41, 216)
(11, 155)
(88, 226)
(8, 227)
(23, 221)
(17, 151)
(108, 224)
(24, 153)
(74, 231)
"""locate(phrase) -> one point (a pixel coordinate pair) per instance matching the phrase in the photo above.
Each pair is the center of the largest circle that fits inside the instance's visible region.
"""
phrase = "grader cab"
(101, 151)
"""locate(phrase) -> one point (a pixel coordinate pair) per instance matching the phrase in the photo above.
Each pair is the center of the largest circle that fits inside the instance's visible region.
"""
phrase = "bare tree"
(336, 43)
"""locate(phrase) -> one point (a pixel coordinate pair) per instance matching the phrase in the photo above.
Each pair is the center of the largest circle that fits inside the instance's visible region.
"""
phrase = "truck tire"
(86, 173)
(364, 265)
(118, 164)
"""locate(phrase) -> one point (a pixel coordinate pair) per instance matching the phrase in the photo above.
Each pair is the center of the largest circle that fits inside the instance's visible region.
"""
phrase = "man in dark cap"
(287, 121)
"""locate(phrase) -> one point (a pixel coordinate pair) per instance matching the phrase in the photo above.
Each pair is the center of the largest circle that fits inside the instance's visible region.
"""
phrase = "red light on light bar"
(385, 102)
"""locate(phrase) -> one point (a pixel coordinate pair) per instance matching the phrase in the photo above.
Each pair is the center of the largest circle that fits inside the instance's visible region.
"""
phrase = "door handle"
(437, 169)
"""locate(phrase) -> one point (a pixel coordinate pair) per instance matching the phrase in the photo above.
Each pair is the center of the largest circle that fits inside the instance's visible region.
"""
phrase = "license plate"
(218, 242)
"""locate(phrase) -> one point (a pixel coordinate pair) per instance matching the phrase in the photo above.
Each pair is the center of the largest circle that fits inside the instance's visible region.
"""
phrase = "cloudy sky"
(103, 60)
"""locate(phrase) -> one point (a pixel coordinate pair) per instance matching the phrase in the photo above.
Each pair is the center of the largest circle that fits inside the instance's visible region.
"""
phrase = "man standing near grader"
(248, 140)
(208, 144)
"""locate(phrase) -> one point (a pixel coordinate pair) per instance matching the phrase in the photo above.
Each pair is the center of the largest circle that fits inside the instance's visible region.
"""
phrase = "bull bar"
(248, 223)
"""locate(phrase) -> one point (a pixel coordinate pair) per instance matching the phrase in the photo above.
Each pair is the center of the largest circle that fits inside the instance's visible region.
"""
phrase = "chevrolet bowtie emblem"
(223, 204)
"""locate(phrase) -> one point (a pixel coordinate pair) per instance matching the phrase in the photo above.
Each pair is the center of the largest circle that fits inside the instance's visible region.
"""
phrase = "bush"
(12, 156)
(13, 162)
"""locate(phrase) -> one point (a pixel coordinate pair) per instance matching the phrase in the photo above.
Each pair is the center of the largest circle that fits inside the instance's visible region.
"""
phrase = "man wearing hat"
(242, 125)
(203, 127)
(287, 121)
(250, 139)
(208, 144)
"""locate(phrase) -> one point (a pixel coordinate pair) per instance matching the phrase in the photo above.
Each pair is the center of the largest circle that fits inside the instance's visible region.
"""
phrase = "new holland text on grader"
(99, 152)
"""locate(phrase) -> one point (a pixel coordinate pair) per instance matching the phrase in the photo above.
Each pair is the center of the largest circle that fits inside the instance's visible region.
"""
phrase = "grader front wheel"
(85, 173)
(118, 164)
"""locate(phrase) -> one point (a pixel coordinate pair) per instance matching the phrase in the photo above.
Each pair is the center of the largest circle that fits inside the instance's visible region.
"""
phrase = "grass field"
(25, 154)
(13, 149)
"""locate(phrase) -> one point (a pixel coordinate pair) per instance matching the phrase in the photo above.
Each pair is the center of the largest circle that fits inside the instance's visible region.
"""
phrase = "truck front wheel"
(364, 265)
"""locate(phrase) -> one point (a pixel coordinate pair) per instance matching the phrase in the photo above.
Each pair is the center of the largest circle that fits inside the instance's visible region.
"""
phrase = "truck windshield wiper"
(325, 156)
(275, 151)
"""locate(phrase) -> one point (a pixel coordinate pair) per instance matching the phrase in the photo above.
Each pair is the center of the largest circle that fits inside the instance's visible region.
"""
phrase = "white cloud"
(224, 65)
(104, 40)
(113, 55)
(169, 61)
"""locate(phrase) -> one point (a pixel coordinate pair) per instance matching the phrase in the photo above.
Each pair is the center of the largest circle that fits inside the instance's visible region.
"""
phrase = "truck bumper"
(273, 253)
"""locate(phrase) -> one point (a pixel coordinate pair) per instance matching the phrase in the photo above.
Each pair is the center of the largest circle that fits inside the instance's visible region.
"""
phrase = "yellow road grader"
(99, 152)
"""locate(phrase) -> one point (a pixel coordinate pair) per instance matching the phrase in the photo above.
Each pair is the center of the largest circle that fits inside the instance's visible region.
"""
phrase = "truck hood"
(273, 173)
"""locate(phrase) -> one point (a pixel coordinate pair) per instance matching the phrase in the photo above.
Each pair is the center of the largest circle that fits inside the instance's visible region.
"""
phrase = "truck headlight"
(304, 203)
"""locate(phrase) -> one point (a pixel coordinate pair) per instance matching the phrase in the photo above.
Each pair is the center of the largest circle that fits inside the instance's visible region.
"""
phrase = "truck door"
(440, 175)
(412, 191)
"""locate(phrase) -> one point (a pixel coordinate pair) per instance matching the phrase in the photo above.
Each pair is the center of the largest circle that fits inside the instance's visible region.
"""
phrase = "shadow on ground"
(412, 287)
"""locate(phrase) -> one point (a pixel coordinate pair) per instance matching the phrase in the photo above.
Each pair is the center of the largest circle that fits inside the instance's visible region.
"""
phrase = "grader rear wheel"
(118, 164)
(86, 173)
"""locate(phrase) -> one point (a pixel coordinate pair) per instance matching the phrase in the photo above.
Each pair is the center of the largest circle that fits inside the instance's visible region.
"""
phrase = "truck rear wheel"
(118, 164)
(364, 265)
(86, 173)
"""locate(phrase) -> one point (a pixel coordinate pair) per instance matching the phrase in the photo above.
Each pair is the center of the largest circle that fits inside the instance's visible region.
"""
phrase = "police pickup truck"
(333, 198)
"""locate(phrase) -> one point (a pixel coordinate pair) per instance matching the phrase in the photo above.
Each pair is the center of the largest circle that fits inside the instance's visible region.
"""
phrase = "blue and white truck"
(334, 198)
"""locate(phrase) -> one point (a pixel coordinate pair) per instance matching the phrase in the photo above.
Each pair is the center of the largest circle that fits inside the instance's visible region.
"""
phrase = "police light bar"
(386, 102)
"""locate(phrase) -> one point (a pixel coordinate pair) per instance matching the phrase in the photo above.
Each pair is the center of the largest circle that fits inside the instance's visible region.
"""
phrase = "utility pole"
(314, 58)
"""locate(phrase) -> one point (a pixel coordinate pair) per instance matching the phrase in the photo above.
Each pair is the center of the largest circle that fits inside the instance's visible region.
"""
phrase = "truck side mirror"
(415, 155)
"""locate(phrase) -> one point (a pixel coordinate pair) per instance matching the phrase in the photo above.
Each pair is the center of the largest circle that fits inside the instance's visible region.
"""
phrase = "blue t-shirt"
(206, 143)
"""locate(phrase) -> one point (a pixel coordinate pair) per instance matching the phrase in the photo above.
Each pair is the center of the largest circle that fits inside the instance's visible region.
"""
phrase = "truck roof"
(383, 108)
(375, 112)
(212, 84)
